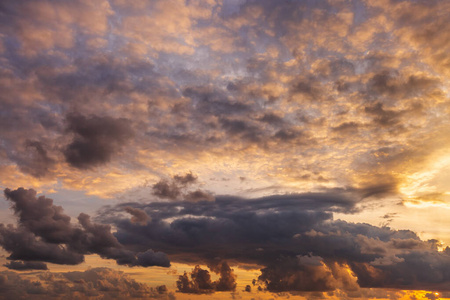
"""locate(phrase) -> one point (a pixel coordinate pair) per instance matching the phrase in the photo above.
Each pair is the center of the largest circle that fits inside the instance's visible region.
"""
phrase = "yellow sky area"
(429, 187)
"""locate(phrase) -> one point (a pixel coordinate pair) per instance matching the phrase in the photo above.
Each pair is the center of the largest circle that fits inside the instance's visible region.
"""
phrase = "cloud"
(212, 78)
(138, 215)
(97, 282)
(200, 282)
(293, 237)
(43, 229)
(164, 189)
(35, 159)
(290, 95)
(178, 188)
(96, 139)
(26, 265)
(186, 179)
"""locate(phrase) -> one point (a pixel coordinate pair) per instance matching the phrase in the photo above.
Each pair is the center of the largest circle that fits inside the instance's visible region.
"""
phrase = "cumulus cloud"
(178, 188)
(44, 233)
(96, 139)
(201, 283)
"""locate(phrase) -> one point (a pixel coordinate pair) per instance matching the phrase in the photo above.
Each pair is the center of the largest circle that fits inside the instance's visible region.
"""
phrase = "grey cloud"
(45, 233)
(24, 245)
(138, 215)
(165, 189)
(178, 188)
(308, 87)
(347, 127)
(336, 68)
(286, 135)
(271, 118)
(34, 159)
(383, 117)
(188, 178)
(26, 265)
(39, 216)
(243, 130)
(392, 84)
(96, 139)
(199, 195)
(208, 100)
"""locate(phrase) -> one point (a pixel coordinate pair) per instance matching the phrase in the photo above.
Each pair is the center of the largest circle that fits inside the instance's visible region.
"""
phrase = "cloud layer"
(97, 283)
(293, 93)
(293, 237)
(45, 234)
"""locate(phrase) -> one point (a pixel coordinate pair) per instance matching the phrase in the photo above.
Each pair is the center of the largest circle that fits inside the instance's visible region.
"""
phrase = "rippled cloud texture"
(306, 141)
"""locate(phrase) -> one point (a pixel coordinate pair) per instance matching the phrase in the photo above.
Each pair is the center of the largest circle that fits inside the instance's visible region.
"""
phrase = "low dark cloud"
(293, 237)
(96, 139)
(26, 265)
(101, 283)
(43, 229)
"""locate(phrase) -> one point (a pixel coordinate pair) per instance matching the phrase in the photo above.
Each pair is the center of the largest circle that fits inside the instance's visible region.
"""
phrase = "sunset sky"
(225, 149)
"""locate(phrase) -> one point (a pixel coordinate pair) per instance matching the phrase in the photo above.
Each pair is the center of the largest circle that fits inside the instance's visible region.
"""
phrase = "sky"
(214, 149)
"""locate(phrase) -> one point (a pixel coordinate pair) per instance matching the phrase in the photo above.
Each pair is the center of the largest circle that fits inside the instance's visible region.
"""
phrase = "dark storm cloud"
(96, 282)
(43, 229)
(96, 139)
(24, 245)
(39, 216)
(26, 265)
(294, 238)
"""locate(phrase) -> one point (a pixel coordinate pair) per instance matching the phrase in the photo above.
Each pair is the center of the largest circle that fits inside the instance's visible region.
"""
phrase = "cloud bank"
(45, 234)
